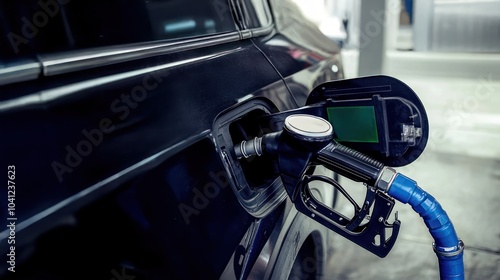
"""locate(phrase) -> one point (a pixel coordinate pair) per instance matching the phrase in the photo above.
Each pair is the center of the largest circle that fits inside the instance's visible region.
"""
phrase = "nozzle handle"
(350, 163)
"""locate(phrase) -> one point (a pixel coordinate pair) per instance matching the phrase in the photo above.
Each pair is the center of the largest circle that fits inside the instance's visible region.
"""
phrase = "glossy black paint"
(173, 112)
(170, 113)
(116, 180)
(155, 226)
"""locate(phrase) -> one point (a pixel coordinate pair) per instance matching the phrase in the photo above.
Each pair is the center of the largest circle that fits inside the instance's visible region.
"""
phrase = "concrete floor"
(460, 168)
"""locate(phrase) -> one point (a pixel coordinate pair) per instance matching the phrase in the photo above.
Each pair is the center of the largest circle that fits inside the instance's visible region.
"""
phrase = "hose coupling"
(449, 252)
(385, 179)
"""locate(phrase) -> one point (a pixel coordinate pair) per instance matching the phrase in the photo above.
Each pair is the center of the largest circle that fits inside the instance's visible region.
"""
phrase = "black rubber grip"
(350, 163)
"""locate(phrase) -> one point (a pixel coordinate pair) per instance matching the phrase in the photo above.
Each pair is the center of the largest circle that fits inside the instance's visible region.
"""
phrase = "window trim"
(23, 70)
(60, 63)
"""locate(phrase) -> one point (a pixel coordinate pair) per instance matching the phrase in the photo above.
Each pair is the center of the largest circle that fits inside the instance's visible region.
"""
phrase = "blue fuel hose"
(447, 246)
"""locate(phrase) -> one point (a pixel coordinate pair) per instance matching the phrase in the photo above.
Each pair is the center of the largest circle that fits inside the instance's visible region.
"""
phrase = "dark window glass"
(41, 26)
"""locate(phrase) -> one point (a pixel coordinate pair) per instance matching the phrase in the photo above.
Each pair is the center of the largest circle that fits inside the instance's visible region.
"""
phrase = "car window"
(44, 26)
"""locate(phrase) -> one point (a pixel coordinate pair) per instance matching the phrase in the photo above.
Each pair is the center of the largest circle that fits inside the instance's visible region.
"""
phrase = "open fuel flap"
(358, 128)
(256, 181)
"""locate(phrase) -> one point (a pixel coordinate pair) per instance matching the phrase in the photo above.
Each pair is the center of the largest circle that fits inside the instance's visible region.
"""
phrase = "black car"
(116, 116)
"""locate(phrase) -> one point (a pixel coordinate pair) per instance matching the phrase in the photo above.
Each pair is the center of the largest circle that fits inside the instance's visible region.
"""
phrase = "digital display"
(354, 123)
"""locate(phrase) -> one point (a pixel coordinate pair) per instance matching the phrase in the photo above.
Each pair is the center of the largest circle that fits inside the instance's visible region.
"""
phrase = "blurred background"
(448, 52)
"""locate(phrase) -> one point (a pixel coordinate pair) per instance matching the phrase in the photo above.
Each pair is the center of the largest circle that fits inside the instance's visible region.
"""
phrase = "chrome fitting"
(249, 148)
(449, 251)
(385, 178)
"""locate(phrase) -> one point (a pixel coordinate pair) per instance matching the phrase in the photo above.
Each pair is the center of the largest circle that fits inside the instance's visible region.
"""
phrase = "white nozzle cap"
(308, 126)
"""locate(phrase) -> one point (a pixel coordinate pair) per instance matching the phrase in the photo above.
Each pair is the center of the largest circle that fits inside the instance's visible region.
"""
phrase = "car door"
(110, 107)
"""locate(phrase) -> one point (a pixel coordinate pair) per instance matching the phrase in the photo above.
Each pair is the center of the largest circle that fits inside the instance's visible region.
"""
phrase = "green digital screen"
(354, 123)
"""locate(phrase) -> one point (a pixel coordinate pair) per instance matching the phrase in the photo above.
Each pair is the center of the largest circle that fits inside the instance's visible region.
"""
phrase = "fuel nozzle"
(306, 141)
(303, 132)
(310, 138)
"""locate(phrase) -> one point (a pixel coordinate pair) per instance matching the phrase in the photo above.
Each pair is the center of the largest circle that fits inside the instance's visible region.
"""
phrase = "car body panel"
(117, 161)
